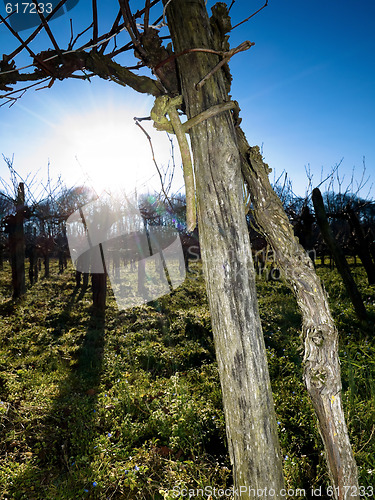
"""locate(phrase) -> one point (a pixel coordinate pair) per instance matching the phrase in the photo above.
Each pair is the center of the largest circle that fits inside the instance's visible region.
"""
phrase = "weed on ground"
(129, 406)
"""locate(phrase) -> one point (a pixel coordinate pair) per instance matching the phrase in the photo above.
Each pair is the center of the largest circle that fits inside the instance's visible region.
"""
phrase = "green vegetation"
(130, 407)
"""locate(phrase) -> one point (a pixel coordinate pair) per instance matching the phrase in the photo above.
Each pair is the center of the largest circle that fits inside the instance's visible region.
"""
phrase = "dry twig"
(252, 15)
(154, 160)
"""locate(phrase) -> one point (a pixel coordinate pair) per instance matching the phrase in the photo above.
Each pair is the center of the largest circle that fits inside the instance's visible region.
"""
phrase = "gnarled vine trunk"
(321, 361)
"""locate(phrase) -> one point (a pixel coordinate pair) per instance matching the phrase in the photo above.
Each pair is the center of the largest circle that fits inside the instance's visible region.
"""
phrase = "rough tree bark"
(319, 334)
(227, 262)
(338, 255)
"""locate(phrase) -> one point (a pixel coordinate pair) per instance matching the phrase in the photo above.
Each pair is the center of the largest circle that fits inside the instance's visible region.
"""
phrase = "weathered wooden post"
(99, 291)
(338, 255)
(31, 253)
(226, 256)
(99, 286)
(363, 247)
(2, 247)
(17, 244)
(320, 336)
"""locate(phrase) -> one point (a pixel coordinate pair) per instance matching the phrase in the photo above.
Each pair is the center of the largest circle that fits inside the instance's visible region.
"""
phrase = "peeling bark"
(319, 334)
(104, 67)
(64, 66)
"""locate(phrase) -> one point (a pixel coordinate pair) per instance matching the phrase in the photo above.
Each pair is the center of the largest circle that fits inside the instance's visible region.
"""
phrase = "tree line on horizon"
(35, 227)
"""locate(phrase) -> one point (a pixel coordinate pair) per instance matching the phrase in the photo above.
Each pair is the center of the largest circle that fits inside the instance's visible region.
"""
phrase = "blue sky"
(306, 90)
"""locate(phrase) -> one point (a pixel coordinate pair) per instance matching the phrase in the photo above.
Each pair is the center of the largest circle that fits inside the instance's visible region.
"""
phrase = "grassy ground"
(130, 406)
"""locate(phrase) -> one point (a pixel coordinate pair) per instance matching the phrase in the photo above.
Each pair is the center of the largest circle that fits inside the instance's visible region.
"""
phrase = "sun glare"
(106, 151)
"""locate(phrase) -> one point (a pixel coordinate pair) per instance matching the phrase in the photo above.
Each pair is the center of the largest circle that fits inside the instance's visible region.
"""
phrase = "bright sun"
(105, 150)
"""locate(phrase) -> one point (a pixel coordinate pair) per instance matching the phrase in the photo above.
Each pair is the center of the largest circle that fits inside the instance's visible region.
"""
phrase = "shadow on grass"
(63, 440)
(7, 307)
